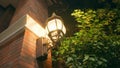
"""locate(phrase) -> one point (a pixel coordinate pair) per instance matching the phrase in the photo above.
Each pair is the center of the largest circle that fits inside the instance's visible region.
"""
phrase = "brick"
(36, 9)
(9, 54)
(20, 52)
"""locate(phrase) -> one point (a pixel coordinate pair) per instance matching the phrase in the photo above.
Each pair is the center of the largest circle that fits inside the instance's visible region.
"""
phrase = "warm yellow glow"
(55, 24)
(51, 25)
(35, 27)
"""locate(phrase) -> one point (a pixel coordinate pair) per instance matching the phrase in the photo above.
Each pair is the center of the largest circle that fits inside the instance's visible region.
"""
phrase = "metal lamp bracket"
(42, 48)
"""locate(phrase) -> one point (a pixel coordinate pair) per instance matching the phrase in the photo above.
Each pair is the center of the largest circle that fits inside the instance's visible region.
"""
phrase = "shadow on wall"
(6, 16)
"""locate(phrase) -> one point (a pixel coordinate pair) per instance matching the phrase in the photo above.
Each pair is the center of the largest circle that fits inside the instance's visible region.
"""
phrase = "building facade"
(22, 22)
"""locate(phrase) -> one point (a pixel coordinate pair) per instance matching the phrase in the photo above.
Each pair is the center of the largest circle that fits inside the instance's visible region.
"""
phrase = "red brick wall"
(35, 8)
(10, 53)
(20, 52)
(28, 52)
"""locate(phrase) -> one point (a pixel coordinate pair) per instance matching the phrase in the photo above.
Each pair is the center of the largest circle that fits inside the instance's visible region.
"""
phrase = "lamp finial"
(53, 14)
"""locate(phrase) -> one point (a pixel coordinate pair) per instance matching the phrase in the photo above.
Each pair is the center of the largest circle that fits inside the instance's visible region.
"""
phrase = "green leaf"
(69, 59)
(91, 58)
(86, 56)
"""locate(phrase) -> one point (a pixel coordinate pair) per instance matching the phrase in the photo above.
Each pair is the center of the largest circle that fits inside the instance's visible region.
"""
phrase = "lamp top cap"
(54, 14)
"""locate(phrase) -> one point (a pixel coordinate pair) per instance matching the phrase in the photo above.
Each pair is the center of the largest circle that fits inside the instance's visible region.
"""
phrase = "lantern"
(55, 28)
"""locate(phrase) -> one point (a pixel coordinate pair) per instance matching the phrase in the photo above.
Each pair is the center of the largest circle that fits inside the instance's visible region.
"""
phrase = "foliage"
(96, 44)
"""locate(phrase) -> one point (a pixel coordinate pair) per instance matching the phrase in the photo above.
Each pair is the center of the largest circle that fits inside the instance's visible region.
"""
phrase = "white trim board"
(24, 22)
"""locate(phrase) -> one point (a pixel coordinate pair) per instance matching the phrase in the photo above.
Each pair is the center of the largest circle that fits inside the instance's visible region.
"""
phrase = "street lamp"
(55, 30)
